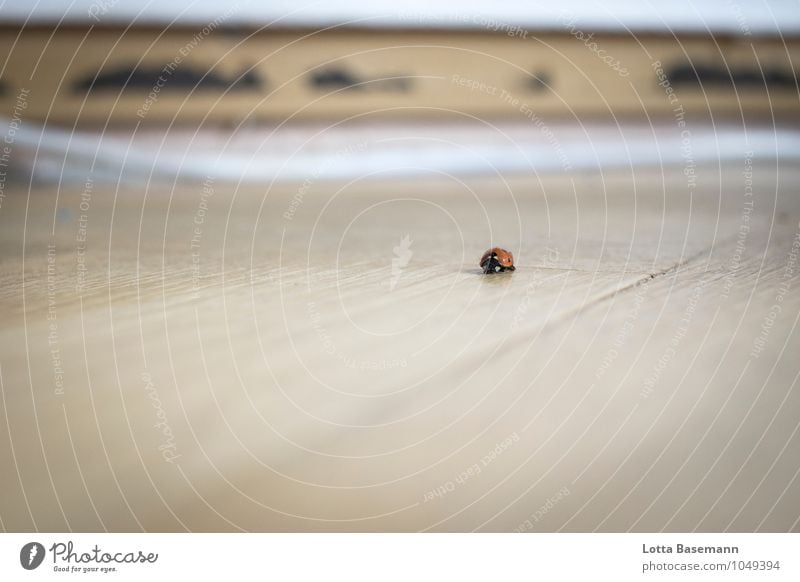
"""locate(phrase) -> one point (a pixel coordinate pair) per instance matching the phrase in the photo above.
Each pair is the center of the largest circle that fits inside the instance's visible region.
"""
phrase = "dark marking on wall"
(181, 78)
(720, 77)
(339, 78)
(539, 82)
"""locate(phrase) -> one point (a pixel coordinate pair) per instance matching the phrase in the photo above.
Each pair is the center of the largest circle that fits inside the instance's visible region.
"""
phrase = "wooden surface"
(284, 374)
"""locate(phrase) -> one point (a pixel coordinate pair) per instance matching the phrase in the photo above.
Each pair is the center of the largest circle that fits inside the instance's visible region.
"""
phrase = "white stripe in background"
(739, 17)
(256, 154)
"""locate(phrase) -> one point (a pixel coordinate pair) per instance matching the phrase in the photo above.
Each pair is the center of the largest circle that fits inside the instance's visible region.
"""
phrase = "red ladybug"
(497, 260)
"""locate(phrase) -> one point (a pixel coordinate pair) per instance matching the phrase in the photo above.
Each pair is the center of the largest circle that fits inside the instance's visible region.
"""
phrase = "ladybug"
(497, 260)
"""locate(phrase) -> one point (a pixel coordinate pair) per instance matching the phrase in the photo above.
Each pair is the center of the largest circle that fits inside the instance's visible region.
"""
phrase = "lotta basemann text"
(681, 549)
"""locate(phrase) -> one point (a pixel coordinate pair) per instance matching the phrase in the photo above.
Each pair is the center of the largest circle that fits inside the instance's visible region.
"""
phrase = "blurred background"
(103, 81)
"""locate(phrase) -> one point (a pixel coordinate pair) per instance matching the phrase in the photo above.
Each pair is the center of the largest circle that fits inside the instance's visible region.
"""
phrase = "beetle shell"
(497, 260)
